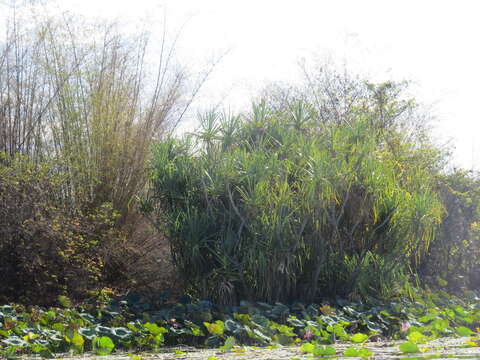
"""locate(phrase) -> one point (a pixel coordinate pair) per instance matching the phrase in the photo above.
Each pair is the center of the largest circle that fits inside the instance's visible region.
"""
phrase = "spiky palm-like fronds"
(283, 206)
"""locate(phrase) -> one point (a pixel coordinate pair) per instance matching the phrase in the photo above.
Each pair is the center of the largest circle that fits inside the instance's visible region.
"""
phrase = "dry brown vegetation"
(86, 98)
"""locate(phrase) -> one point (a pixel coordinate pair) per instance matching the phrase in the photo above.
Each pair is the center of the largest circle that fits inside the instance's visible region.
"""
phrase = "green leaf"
(14, 341)
(426, 318)
(324, 350)
(87, 317)
(158, 341)
(102, 345)
(351, 352)
(232, 326)
(357, 352)
(283, 339)
(154, 329)
(216, 328)
(87, 333)
(409, 347)
(64, 301)
(307, 348)
(359, 338)
(135, 357)
(121, 332)
(229, 343)
(261, 336)
(37, 348)
(463, 331)
(295, 322)
(364, 352)
(103, 330)
(197, 332)
(77, 339)
(77, 342)
(416, 337)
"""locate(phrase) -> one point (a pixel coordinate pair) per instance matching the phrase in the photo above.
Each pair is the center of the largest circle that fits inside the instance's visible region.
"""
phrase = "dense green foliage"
(453, 260)
(282, 205)
(136, 324)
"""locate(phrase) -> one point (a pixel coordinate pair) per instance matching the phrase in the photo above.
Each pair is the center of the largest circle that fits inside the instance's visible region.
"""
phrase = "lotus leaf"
(102, 345)
(121, 332)
(409, 347)
(14, 341)
(88, 333)
(359, 338)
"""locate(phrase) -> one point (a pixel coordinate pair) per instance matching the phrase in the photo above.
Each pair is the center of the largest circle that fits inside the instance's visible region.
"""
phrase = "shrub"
(280, 205)
(46, 247)
(453, 259)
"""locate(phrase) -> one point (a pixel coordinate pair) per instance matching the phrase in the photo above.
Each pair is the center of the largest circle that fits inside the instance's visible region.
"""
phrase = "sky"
(434, 44)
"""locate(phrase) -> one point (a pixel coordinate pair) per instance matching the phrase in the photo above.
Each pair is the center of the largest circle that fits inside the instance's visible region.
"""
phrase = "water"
(445, 348)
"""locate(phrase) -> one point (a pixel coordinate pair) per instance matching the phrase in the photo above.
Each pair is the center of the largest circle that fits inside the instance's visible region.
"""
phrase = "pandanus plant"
(277, 206)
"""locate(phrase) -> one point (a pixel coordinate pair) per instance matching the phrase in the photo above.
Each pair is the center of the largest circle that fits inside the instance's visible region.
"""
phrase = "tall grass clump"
(278, 204)
(91, 95)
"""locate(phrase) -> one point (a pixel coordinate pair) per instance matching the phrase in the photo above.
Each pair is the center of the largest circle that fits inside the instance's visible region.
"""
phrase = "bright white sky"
(434, 43)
